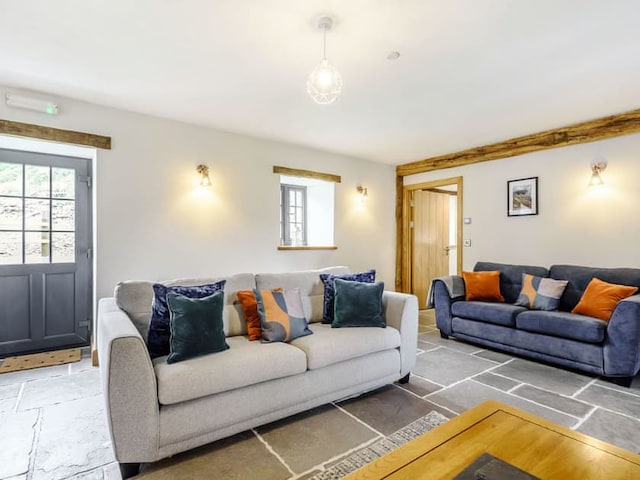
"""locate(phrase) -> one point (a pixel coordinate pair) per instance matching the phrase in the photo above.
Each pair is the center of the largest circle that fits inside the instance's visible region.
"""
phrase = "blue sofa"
(576, 341)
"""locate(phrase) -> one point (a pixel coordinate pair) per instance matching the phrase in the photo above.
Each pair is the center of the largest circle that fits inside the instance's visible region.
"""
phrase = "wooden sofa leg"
(404, 379)
(128, 470)
(443, 335)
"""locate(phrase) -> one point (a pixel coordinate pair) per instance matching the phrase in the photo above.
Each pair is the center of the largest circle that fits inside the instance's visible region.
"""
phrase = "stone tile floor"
(53, 426)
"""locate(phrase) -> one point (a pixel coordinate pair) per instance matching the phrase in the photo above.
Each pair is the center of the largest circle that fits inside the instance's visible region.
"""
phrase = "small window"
(306, 209)
(293, 215)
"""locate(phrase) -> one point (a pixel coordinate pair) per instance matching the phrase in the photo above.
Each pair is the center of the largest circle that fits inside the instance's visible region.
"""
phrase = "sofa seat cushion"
(332, 345)
(563, 324)
(244, 363)
(498, 313)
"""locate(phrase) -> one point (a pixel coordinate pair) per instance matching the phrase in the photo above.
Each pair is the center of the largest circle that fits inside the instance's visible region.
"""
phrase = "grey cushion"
(563, 324)
(135, 297)
(244, 363)
(489, 312)
(332, 345)
(307, 281)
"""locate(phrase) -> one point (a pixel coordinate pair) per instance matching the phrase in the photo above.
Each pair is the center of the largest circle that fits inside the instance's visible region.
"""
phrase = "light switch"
(467, 242)
(467, 220)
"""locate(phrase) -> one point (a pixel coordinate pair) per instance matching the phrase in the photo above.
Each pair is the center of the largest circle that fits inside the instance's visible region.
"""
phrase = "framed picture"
(522, 197)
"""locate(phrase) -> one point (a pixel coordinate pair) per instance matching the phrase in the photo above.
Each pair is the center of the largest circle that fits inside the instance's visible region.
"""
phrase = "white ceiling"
(471, 72)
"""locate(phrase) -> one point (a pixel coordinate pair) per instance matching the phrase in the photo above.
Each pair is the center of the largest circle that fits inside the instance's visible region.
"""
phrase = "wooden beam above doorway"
(590, 131)
(54, 134)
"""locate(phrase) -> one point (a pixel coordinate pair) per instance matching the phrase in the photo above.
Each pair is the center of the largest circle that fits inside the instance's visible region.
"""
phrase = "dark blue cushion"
(358, 304)
(196, 326)
(330, 293)
(563, 324)
(579, 277)
(159, 329)
(489, 312)
(511, 277)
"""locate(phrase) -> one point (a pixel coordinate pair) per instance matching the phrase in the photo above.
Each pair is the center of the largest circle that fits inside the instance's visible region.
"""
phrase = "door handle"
(446, 250)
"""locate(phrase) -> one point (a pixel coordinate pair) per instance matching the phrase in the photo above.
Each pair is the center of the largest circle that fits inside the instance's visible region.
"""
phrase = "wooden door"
(430, 245)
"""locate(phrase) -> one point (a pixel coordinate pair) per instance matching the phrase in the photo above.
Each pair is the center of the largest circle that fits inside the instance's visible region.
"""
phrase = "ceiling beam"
(55, 134)
(591, 131)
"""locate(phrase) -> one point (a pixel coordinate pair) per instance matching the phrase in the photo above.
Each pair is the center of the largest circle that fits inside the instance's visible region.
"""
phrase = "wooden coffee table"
(533, 444)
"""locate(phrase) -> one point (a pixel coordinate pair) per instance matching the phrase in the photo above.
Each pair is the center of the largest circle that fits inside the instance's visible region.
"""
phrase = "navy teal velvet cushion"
(358, 304)
(540, 293)
(159, 328)
(329, 292)
(196, 326)
(281, 315)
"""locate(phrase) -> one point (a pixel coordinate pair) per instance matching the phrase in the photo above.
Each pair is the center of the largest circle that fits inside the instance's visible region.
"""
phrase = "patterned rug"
(381, 447)
(37, 360)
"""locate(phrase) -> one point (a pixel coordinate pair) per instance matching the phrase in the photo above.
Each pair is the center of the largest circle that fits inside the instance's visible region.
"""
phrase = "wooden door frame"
(403, 267)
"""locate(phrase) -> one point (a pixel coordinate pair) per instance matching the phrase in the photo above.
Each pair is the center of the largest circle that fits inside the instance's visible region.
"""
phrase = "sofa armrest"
(129, 386)
(443, 298)
(622, 343)
(401, 313)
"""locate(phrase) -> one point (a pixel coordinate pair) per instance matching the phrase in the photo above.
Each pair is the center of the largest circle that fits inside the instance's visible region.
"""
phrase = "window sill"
(327, 247)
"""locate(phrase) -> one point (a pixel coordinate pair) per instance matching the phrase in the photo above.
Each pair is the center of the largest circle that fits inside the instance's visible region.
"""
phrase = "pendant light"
(324, 84)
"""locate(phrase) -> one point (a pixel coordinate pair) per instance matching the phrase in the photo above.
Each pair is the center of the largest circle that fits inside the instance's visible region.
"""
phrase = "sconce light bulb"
(205, 181)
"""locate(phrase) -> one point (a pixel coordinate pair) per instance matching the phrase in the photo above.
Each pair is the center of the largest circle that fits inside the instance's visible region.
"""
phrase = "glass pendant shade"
(324, 84)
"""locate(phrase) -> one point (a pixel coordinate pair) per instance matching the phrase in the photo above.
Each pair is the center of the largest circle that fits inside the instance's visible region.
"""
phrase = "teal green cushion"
(196, 326)
(358, 304)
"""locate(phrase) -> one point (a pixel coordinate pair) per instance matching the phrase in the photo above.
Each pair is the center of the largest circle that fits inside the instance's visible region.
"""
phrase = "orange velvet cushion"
(600, 298)
(483, 286)
(250, 309)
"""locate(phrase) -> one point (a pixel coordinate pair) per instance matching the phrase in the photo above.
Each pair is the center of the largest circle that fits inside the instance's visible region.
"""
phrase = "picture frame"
(522, 197)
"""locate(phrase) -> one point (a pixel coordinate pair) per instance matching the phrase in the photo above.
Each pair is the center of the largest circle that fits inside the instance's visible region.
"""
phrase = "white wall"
(575, 225)
(153, 223)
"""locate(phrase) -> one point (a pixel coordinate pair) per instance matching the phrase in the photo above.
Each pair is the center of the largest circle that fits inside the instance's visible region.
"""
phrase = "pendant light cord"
(324, 42)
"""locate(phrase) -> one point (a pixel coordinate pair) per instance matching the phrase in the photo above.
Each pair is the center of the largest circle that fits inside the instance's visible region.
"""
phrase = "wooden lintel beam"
(55, 134)
(590, 131)
(296, 172)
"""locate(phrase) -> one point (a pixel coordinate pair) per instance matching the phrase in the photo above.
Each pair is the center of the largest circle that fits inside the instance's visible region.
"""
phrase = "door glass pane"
(36, 181)
(10, 213)
(10, 179)
(63, 183)
(36, 247)
(63, 212)
(64, 248)
(36, 214)
(10, 248)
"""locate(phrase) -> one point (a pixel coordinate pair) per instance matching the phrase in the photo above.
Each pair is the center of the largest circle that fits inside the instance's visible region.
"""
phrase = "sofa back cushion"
(135, 297)
(511, 276)
(307, 281)
(579, 277)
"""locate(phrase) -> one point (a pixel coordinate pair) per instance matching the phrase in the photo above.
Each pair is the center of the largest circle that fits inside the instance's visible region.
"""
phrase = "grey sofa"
(156, 409)
(576, 341)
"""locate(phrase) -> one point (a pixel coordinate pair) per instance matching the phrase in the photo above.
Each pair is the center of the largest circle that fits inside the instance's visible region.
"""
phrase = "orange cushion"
(483, 286)
(250, 309)
(600, 298)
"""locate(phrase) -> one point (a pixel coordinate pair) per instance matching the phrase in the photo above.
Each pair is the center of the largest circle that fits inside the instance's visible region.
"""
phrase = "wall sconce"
(203, 170)
(362, 191)
(597, 167)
